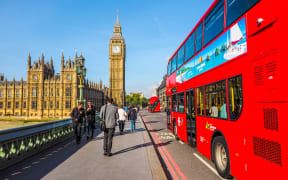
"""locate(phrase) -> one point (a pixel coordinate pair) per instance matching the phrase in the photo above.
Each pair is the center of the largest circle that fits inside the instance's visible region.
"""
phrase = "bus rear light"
(266, 149)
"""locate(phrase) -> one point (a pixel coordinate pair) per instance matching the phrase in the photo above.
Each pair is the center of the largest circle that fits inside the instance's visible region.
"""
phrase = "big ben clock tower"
(117, 53)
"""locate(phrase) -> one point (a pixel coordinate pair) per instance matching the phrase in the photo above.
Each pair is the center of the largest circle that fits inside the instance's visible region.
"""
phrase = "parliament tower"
(117, 53)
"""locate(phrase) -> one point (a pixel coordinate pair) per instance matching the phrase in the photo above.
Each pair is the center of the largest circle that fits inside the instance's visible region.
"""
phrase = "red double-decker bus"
(154, 104)
(226, 88)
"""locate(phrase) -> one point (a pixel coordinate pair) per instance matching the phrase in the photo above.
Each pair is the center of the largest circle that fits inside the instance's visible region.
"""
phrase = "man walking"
(77, 121)
(122, 117)
(91, 113)
(109, 114)
(133, 117)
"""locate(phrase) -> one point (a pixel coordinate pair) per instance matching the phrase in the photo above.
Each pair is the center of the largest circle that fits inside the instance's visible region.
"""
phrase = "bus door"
(168, 111)
(191, 117)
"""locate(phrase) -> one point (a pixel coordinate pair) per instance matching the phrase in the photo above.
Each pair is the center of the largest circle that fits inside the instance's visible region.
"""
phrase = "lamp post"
(81, 74)
(121, 97)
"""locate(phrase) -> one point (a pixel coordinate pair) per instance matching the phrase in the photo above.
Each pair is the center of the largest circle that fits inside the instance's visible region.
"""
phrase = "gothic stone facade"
(46, 94)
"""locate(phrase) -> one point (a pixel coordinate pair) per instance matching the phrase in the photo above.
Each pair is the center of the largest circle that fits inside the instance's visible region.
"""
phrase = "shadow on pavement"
(133, 148)
(156, 130)
(153, 121)
(118, 133)
(163, 144)
(41, 164)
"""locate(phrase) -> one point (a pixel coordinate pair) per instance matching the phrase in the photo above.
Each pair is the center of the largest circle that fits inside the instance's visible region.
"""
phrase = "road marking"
(181, 142)
(16, 173)
(208, 165)
(26, 167)
(164, 153)
(36, 162)
(172, 135)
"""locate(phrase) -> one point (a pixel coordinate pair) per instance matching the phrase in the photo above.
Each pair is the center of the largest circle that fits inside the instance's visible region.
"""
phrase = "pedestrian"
(77, 121)
(133, 117)
(122, 117)
(213, 110)
(90, 113)
(125, 109)
(109, 115)
(128, 112)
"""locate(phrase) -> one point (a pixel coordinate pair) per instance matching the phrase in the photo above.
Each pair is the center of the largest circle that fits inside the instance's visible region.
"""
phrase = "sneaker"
(105, 154)
(110, 154)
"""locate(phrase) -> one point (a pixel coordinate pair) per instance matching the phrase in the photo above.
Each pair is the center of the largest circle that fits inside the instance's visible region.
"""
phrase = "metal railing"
(20, 143)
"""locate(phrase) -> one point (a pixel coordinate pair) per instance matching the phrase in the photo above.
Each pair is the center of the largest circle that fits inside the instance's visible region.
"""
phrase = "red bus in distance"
(226, 88)
(154, 104)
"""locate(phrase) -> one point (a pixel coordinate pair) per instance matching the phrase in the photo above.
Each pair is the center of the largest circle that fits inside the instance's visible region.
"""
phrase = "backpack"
(133, 115)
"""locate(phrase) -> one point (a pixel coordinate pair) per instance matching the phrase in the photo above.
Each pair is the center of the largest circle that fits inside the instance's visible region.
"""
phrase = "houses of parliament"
(46, 94)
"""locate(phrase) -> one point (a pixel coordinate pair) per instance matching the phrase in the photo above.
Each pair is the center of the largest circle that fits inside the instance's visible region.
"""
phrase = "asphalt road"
(181, 161)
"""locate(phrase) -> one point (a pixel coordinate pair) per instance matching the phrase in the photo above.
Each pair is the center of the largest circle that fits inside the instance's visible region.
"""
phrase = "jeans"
(121, 125)
(91, 127)
(108, 137)
(77, 130)
(132, 125)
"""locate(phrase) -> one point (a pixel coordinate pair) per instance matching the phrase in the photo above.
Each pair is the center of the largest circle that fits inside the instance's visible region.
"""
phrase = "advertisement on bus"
(229, 45)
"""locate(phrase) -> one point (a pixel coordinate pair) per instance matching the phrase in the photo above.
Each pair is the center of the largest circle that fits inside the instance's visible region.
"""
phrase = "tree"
(208, 58)
(136, 100)
(217, 52)
(223, 48)
(144, 102)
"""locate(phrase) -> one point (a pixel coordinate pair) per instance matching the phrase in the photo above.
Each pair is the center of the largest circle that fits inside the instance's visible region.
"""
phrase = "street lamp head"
(84, 71)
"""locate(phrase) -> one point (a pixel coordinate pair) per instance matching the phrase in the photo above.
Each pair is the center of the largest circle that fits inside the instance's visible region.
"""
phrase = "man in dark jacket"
(90, 112)
(77, 119)
(110, 115)
(133, 117)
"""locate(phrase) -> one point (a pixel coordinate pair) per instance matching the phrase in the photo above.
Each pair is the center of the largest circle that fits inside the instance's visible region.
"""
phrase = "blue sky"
(152, 30)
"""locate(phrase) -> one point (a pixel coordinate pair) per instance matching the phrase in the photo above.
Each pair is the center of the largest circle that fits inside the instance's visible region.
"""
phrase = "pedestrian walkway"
(133, 157)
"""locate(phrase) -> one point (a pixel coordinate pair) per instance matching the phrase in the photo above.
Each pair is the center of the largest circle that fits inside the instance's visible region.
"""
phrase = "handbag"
(103, 125)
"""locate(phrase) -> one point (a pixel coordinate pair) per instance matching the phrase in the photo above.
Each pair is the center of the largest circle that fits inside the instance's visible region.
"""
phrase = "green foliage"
(217, 51)
(208, 58)
(223, 48)
(136, 100)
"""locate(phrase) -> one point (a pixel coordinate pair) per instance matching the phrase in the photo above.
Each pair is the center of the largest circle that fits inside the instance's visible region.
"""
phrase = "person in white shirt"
(122, 117)
(213, 111)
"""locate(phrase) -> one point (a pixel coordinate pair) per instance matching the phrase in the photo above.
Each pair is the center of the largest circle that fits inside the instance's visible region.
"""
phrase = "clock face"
(116, 49)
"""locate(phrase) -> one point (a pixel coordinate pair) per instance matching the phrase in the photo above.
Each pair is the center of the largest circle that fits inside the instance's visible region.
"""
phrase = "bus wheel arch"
(220, 154)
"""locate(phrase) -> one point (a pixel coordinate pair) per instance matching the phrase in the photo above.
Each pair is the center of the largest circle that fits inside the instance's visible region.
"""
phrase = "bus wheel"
(221, 157)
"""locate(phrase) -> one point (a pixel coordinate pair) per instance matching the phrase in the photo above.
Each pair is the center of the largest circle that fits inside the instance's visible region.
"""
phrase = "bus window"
(199, 33)
(215, 100)
(190, 47)
(180, 57)
(174, 103)
(200, 101)
(181, 102)
(214, 22)
(174, 64)
(236, 8)
(235, 97)
(169, 69)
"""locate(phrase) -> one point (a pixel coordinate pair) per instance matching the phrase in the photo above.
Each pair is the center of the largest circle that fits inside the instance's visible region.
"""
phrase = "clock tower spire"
(117, 54)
